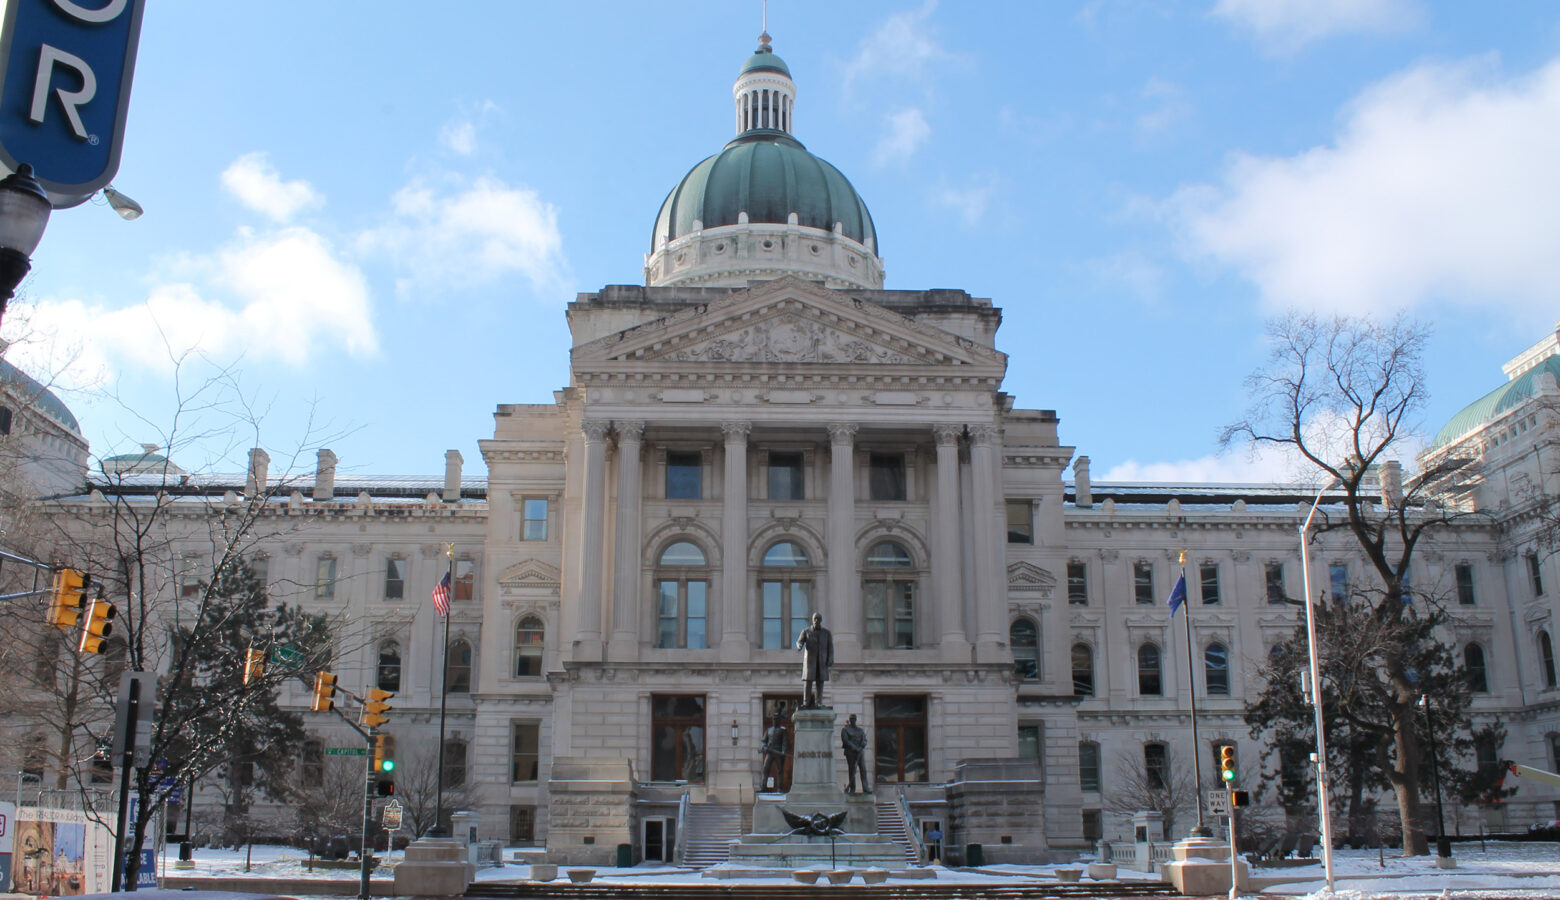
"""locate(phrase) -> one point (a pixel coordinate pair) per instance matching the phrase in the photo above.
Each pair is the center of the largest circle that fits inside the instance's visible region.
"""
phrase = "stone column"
(593, 547)
(990, 543)
(625, 554)
(734, 643)
(844, 595)
(947, 601)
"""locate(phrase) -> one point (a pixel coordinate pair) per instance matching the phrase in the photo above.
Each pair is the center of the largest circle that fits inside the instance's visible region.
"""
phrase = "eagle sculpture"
(817, 824)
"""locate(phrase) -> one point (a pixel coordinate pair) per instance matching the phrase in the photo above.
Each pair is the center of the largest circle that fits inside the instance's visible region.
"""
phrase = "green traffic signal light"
(387, 766)
(1229, 774)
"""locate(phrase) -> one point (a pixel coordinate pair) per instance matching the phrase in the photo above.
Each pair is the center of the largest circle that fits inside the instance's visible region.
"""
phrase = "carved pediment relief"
(791, 339)
(529, 573)
(1023, 576)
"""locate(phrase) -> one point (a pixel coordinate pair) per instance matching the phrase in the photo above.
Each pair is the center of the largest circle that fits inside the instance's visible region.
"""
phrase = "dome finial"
(763, 37)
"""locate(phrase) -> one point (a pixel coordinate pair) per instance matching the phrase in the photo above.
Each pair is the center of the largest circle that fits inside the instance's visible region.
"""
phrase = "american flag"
(441, 595)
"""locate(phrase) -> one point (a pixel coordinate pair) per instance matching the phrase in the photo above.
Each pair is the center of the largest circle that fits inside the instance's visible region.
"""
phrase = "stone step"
(794, 891)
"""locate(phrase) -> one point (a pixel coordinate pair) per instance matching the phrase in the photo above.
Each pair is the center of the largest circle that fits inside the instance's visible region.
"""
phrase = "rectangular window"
(533, 519)
(1338, 580)
(890, 612)
(325, 579)
(189, 576)
(1089, 767)
(684, 475)
(1209, 573)
(465, 580)
(261, 567)
(1093, 827)
(785, 476)
(1143, 582)
(1535, 575)
(787, 607)
(682, 614)
(526, 741)
(677, 738)
(1020, 522)
(1032, 746)
(454, 763)
(900, 729)
(1078, 584)
(886, 476)
(395, 579)
(522, 825)
(1275, 583)
(1465, 584)
(1156, 766)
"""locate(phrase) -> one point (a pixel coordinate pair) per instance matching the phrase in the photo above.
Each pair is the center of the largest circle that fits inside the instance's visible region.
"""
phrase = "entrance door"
(782, 705)
(659, 838)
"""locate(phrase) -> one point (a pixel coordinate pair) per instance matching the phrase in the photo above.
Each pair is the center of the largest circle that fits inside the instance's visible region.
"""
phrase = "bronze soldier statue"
(854, 740)
(774, 754)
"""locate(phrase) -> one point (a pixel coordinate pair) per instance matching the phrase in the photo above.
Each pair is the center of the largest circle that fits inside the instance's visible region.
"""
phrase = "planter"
(543, 871)
(874, 876)
(581, 876)
(1102, 871)
(1069, 875)
(841, 876)
(806, 876)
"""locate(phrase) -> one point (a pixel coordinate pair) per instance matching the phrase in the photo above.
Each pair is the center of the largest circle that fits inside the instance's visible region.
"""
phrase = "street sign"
(1219, 803)
(392, 816)
(65, 88)
(346, 751)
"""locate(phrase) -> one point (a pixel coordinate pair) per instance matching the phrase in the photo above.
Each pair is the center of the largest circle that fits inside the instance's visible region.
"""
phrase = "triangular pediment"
(530, 573)
(790, 321)
(1026, 576)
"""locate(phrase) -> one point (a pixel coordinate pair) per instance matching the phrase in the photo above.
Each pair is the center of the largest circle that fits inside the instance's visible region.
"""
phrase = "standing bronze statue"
(817, 646)
(774, 751)
(854, 739)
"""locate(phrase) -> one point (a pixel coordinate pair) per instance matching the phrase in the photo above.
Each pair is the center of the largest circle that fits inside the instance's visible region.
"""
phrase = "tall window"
(1546, 658)
(1338, 579)
(785, 589)
(454, 763)
(682, 597)
(889, 597)
(1156, 766)
(1473, 661)
(1149, 684)
(1020, 522)
(785, 476)
(533, 519)
(325, 578)
(886, 476)
(261, 567)
(1031, 745)
(677, 738)
(465, 580)
(311, 769)
(1208, 572)
(1143, 582)
(1078, 584)
(1275, 582)
(1089, 766)
(1024, 639)
(1083, 670)
(525, 751)
(685, 475)
(395, 579)
(522, 824)
(1216, 670)
(1465, 595)
(900, 728)
(457, 667)
(1535, 574)
(389, 666)
(1093, 826)
(530, 635)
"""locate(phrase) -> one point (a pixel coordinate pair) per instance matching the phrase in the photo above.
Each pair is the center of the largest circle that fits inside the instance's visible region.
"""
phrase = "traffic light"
(254, 665)
(384, 765)
(1227, 763)
(98, 626)
(324, 692)
(1240, 798)
(376, 709)
(67, 596)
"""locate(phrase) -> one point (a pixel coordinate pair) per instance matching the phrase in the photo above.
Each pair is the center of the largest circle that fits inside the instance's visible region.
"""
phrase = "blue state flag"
(1177, 594)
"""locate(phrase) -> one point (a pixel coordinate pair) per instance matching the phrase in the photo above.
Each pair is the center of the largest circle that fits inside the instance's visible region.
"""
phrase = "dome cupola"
(763, 207)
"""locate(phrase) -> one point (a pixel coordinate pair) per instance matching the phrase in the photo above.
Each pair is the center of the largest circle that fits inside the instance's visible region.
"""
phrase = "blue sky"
(373, 215)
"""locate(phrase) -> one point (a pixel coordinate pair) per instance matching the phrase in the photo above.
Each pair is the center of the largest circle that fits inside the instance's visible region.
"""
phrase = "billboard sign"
(65, 88)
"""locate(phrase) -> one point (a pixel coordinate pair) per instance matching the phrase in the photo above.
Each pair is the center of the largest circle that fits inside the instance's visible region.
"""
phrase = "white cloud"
(1440, 184)
(1285, 26)
(474, 234)
(901, 46)
(969, 201)
(459, 134)
(1167, 106)
(907, 131)
(1216, 468)
(256, 184)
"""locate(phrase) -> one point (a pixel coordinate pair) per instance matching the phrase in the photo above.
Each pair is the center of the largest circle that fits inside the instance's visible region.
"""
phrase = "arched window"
(682, 597)
(457, 667)
(889, 597)
(1546, 656)
(1024, 639)
(1216, 670)
(389, 666)
(785, 587)
(1083, 670)
(1149, 684)
(1478, 676)
(529, 637)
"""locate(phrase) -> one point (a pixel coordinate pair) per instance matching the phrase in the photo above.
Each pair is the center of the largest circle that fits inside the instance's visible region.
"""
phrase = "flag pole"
(1191, 688)
(438, 829)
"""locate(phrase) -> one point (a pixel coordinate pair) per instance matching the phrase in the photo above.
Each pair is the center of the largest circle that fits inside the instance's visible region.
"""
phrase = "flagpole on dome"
(441, 605)
(1178, 600)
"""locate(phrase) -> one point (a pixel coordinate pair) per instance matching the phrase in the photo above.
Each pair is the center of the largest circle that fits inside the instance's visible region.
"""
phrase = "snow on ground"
(1495, 870)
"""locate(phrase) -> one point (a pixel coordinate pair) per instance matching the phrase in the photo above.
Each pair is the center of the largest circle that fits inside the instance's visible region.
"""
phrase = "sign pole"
(367, 850)
(126, 764)
(1234, 859)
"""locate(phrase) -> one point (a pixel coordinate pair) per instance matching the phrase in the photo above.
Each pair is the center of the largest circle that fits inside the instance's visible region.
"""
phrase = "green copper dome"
(41, 397)
(1492, 405)
(767, 174)
(765, 60)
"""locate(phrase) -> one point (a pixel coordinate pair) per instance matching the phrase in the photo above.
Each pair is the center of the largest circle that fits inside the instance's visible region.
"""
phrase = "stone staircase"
(782, 890)
(891, 826)
(708, 832)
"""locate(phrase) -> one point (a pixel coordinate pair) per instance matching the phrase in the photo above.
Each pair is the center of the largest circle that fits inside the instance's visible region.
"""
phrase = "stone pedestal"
(434, 867)
(1201, 866)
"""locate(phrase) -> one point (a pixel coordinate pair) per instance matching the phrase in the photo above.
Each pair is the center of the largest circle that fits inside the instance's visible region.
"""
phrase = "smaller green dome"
(1495, 403)
(41, 397)
(765, 61)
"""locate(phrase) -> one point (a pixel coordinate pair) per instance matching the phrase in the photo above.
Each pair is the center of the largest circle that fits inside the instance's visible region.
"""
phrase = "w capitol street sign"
(65, 88)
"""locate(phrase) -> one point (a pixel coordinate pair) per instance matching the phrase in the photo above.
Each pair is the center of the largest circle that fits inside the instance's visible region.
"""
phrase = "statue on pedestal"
(854, 740)
(774, 750)
(817, 646)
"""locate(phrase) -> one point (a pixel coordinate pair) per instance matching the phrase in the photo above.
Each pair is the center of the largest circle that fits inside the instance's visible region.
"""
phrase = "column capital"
(983, 435)
(595, 429)
(633, 430)
(736, 432)
(947, 435)
(842, 432)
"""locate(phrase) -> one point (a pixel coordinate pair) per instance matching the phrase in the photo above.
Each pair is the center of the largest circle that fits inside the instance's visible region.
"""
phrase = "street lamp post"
(1323, 810)
(1442, 845)
(24, 214)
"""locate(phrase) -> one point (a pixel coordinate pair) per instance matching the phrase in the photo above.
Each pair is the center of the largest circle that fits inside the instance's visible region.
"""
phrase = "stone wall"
(995, 803)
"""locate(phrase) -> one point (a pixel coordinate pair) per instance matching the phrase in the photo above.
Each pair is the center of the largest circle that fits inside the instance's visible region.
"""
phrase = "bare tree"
(1168, 790)
(1343, 394)
(416, 786)
(326, 797)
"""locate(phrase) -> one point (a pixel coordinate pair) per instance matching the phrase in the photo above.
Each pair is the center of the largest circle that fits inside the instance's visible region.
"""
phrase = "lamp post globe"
(24, 214)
